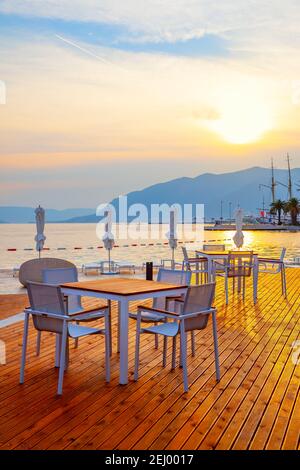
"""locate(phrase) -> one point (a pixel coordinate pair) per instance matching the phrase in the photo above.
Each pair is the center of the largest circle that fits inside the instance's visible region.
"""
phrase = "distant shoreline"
(208, 227)
(255, 227)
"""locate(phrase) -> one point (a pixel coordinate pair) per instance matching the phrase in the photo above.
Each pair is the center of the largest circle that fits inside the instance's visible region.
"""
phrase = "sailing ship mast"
(290, 191)
(273, 184)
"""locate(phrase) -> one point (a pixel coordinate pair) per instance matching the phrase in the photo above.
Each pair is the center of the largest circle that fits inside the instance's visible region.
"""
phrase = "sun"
(242, 119)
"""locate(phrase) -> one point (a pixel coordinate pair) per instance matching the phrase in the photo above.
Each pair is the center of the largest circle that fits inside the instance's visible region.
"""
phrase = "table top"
(219, 253)
(123, 286)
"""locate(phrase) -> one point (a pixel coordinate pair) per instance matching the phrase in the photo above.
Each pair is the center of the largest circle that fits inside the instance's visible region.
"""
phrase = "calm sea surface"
(62, 239)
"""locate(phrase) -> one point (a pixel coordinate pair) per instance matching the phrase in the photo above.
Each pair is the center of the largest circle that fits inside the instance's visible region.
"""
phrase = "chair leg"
(165, 351)
(118, 342)
(57, 349)
(67, 356)
(38, 343)
(226, 289)
(110, 330)
(183, 356)
(255, 284)
(283, 281)
(107, 346)
(76, 339)
(173, 353)
(137, 349)
(180, 355)
(24, 347)
(197, 274)
(156, 340)
(193, 343)
(244, 288)
(216, 348)
(62, 358)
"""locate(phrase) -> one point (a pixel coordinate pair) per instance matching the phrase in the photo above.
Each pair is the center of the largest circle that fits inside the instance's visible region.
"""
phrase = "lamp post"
(221, 218)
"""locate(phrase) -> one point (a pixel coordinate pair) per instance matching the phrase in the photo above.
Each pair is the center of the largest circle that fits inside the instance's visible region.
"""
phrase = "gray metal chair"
(238, 266)
(48, 311)
(274, 266)
(74, 306)
(171, 276)
(194, 314)
(196, 265)
(219, 248)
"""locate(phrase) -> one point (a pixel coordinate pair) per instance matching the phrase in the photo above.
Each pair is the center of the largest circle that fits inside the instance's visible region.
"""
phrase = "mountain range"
(238, 188)
(20, 214)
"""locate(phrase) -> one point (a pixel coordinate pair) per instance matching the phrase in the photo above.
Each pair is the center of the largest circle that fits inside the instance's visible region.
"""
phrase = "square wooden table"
(123, 291)
(211, 256)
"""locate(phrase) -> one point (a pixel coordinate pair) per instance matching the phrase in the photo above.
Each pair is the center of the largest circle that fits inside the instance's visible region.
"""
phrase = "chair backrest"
(31, 270)
(213, 247)
(283, 252)
(239, 263)
(60, 276)
(185, 253)
(47, 299)
(197, 299)
(171, 276)
(186, 263)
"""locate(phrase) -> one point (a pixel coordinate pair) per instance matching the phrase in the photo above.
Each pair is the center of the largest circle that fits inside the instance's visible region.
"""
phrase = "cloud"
(65, 103)
(172, 20)
(59, 99)
(65, 110)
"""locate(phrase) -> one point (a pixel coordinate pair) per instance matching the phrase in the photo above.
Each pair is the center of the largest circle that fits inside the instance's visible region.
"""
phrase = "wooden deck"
(256, 405)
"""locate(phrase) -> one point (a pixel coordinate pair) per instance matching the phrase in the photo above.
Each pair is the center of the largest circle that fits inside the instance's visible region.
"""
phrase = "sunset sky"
(108, 96)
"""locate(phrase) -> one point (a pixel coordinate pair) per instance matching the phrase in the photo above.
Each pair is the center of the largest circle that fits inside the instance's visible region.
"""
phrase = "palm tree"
(276, 208)
(293, 207)
(285, 210)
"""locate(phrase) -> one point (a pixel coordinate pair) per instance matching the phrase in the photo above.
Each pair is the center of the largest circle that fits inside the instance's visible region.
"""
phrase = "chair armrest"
(195, 260)
(178, 316)
(269, 260)
(164, 313)
(173, 297)
(220, 265)
(39, 313)
(87, 316)
(152, 309)
(89, 312)
(195, 314)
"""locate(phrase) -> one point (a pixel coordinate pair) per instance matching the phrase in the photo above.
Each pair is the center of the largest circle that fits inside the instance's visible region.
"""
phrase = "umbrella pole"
(109, 260)
(173, 258)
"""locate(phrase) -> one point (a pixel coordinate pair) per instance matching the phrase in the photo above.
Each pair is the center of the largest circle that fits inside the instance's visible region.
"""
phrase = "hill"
(238, 188)
(18, 214)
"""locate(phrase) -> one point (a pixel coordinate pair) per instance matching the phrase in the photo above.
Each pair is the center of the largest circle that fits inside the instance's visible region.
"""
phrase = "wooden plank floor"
(10, 304)
(256, 405)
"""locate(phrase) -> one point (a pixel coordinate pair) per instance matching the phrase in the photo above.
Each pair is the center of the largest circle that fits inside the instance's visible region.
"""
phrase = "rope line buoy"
(60, 248)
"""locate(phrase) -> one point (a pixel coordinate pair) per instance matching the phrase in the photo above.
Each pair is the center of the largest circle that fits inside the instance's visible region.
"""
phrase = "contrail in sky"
(86, 51)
